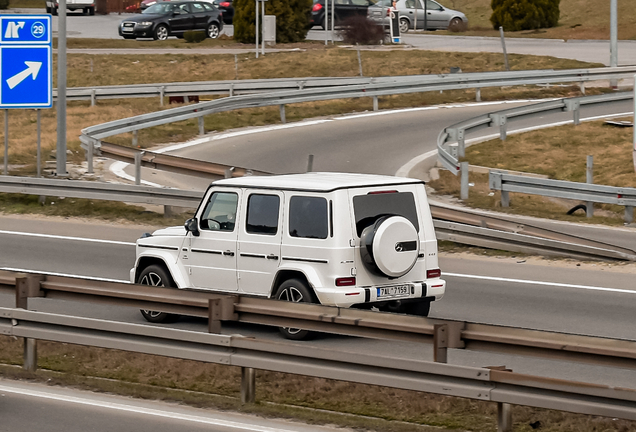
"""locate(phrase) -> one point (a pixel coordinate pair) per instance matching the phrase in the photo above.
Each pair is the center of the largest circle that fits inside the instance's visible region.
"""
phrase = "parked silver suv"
(348, 240)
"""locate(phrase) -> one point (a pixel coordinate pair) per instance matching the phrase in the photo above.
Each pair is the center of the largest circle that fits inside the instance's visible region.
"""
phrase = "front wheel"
(161, 32)
(295, 290)
(404, 26)
(155, 275)
(213, 31)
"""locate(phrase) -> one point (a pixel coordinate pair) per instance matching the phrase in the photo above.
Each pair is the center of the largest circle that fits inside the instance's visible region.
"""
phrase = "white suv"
(349, 240)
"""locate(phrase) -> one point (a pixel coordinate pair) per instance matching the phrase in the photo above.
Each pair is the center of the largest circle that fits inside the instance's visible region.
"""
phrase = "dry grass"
(210, 385)
(579, 19)
(560, 153)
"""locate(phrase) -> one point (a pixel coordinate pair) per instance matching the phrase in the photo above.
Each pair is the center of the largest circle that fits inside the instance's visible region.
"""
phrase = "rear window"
(308, 217)
(368, 208)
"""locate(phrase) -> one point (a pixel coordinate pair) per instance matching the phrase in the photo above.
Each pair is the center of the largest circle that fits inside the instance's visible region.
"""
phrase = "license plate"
(394, 291)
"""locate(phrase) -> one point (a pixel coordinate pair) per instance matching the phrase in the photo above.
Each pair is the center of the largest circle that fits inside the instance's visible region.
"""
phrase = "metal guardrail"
(470, 382)
(451, 140)
(587, 192)
(382, 86)
(237, 87)
(450, 224)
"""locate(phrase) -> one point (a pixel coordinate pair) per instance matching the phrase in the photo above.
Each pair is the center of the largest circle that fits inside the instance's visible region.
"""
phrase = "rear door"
(200, 16)
(260, 240)
(182, 19)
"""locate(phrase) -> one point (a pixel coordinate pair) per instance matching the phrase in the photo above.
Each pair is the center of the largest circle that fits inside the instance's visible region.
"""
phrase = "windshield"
(159, 8)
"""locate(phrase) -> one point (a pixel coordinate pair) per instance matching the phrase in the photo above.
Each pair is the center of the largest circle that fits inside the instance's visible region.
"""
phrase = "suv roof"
(315, 181)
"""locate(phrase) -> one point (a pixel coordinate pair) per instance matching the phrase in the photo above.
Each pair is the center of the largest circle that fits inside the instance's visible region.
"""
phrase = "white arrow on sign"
(32, 69)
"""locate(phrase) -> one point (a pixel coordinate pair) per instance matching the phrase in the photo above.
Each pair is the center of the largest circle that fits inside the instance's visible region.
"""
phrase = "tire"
(404, 25)
(456, 25)
(54, 11)
(85, 11)
(161, 32)
(389, 246)
(295, 290)
(91, 11)
(156, 275)
(421, 308)
(48, 10)
(213, 31)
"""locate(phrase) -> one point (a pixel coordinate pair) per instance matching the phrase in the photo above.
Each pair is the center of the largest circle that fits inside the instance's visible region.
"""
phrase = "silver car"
(412, 13)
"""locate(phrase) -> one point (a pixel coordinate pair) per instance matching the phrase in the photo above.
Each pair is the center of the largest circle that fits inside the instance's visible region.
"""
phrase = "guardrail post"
(93, 98)
(575, 107)
(281, 108)
(504, 417)
(30, 354)
(214, 315)
(440, 343)
(248, 385)
(231, 89)
(138, 167)
(478, 94)
(629, 214)
(463, 171)
(201, 126)
(589, 174)
(89, 157)
(499, 120)
(505, 198)
(168, 211)
(375, 103)
(582, 87)
(135, 139)
(162, 92)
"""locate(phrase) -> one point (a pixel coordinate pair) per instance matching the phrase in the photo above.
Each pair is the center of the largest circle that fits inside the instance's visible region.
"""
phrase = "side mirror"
(192, 225)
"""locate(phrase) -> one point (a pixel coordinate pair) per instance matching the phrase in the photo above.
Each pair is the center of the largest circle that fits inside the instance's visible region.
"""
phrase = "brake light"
(388, 12)
(346, 281)
(224, 4)
(316, 7)
(382, 192)
(435, 273)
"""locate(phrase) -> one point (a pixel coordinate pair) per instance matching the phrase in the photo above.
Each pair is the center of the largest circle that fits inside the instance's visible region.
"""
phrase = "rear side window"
(368, 208)
(262, 214)
(308, 217)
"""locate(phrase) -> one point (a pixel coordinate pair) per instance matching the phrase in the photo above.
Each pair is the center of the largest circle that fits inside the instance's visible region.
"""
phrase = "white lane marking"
(141, 410)
(117, 168)
(405, 169)
(19, 270)
(530, 282)
(59, 237)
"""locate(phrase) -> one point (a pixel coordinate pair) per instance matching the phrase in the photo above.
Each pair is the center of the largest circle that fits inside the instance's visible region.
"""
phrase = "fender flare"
(177, 271)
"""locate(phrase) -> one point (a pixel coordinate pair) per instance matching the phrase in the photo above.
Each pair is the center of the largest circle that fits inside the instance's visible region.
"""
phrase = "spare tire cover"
(390, 246)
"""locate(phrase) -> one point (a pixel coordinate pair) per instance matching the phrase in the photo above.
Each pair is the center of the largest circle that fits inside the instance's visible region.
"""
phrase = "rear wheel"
(91, 10)
(213, 31)
(156, 275)
(295, 290)
(53, 11)
(404, 25)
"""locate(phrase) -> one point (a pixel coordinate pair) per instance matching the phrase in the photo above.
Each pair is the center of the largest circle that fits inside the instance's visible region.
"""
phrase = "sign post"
(26, 59)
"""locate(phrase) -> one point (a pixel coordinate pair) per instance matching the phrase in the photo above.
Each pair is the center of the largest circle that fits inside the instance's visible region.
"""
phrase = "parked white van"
(348, 240)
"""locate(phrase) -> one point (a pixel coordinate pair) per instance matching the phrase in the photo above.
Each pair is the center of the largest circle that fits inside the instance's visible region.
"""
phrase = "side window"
(184, 8)
(197, 7)
(220, 212)
(431, 5)
(207, 6)
(262, 214)
(308, 217)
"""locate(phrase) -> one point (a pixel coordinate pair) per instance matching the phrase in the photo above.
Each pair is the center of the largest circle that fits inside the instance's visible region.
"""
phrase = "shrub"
(4, 4)
(360, 30)
(292, 19)
(194, 36)
(515, 15)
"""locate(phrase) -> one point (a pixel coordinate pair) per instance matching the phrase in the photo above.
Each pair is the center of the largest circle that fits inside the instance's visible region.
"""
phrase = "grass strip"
(313, 400)
(559, 153)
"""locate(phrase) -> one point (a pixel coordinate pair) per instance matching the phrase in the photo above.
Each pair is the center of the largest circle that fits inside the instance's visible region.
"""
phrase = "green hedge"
(515, 15)
(292, 19)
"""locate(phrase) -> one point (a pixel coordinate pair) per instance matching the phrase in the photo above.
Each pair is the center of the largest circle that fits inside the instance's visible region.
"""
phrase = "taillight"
(346, 281)
(316, 7)
(432, 274)
(225, 4)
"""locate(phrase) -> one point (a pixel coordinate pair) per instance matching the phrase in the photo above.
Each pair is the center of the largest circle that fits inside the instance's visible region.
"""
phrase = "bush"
(4, 4)
(360, 30)
(292, 19)
(515, 15)
(194, 36)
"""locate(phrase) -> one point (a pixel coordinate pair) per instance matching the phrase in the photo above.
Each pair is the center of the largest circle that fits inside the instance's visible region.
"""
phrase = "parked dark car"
(343, 9)
(173, 19)
(227, 9)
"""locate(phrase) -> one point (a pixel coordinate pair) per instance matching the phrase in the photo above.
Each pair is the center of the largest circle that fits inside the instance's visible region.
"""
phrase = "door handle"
(272, 257)
(228, 253)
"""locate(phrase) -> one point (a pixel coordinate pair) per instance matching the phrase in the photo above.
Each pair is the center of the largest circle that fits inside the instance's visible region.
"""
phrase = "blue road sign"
(26, 58)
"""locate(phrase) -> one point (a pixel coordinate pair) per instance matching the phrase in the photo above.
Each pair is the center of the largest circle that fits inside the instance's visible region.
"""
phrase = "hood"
(171, 231)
